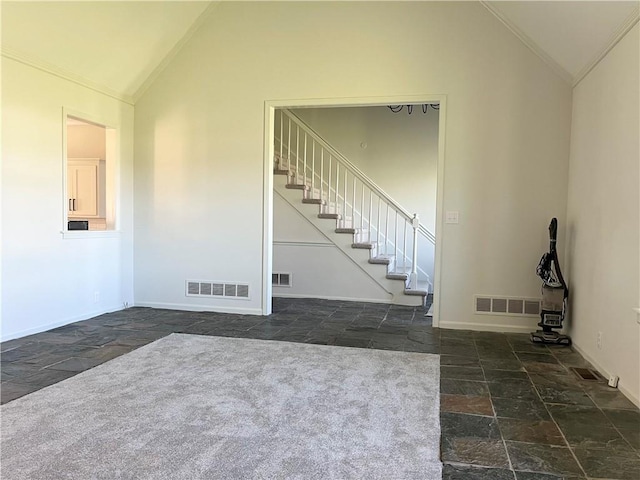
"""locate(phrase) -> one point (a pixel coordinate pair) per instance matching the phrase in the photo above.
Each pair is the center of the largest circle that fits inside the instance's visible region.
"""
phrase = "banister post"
(413, 278)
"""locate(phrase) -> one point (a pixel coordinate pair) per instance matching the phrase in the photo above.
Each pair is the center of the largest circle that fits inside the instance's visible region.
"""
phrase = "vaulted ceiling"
(118, 47)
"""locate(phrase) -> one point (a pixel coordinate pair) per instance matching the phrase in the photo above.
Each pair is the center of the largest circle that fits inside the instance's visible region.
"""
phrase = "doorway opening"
(411, 180)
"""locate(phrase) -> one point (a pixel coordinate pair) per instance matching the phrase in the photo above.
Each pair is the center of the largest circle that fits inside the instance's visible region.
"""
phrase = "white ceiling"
(118, 47)
(572, 36)
(114, 46)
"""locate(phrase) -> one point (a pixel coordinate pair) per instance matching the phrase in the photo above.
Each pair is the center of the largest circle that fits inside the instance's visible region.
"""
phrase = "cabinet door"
(85, 179)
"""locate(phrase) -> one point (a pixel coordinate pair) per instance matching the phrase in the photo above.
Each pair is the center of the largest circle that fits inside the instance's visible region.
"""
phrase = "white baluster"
(329, 186)
(370, 213)
(395, 237)
(413, 279)
(404, 246)
(337, 185)
(289, 146)
(344, 198)
(378, 236)
(298, 155)
(321, 172)
(353, 204)
(305, 161)
(362, 210)
(313, 167)
(386, 231)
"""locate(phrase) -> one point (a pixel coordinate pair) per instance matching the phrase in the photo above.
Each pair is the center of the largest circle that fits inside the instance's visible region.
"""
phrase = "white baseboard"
(627, 393)
(487, 327)
(200, 308)
(59, 323)
(329, 297)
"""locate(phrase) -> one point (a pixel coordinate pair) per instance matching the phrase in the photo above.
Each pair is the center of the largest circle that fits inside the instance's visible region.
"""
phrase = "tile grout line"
(555, 422)
(495, 415)
(604, 414)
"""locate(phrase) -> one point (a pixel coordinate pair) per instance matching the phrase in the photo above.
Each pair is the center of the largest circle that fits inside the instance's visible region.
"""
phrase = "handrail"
(360, 174)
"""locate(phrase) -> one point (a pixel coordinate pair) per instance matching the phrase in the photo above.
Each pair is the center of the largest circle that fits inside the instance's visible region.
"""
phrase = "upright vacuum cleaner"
(554, 295)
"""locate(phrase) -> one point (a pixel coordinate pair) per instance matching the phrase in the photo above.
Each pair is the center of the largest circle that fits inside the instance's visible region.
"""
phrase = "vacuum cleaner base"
(554, 338)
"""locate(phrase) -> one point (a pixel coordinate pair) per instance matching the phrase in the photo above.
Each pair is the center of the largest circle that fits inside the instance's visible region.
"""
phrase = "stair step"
(314, 201)
(278, 171)
(333, 216)
(381, 260)
(297, 186)
(398, 276)
(352, 231)
(416, 291)
(366, 246)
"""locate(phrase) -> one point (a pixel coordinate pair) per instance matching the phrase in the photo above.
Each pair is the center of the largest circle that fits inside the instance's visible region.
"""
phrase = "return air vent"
(195, 288)
(484, 304)
(281, 279)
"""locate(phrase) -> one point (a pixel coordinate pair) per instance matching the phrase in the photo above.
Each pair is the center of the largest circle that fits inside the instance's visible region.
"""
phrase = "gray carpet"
(196, 407)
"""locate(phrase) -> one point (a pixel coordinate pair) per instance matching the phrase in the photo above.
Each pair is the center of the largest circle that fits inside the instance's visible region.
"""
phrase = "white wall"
(200, 148)
(401, 153)
(48, 280)
(318, 268)
(603, 212)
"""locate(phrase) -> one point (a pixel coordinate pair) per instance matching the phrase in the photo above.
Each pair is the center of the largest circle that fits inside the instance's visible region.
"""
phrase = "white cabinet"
(85, 188)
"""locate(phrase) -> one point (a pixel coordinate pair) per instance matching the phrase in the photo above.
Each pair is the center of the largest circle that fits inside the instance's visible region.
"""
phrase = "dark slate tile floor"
(509, 409)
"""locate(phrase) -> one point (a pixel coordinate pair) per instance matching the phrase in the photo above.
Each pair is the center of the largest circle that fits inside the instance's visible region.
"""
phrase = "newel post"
(413, 278)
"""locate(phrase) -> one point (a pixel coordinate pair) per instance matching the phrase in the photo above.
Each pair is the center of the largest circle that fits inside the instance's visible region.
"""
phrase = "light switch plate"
(451, 217)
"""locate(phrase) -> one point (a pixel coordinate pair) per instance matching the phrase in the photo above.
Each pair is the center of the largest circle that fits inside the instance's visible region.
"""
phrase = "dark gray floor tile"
(15, 370)
(524, 409)
(76, 364)
(462, 373)
(352, 342)
(546, 368)
(10, 391)
(466, 404)
(610, 463)
(474, 451)
(501, 364)
(466, 351)
(410, 346)
(531, 431)
(463, 387)
(544, 476)
(606, 397)
(459, 361)
(497, 375)
(44, 378)
(488, 353)
(586, 426)
(465, 472)
(462, 425)
(542, 458)
(521, 389)
(525, 357)
(106, 353)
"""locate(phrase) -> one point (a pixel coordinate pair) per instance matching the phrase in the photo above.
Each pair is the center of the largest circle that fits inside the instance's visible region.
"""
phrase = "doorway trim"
(267, 216)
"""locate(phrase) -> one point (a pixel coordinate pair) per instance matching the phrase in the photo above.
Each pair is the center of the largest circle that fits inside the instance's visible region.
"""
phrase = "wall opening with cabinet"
(90, 173)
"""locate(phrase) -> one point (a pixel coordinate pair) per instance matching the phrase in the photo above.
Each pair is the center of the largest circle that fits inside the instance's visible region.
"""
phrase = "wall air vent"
(281, 279)
(500, 305)
(199, 288)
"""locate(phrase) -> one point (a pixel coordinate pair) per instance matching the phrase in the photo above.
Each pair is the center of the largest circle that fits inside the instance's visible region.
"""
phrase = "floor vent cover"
(486, 304)
(198, 288)
(585, 373)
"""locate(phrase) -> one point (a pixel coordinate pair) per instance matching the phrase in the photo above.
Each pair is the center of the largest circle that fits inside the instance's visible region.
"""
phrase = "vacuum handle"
(553, 234)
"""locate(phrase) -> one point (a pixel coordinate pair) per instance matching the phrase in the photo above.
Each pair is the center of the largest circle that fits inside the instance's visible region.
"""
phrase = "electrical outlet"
(125, 304)
(613, 381)
(96, 297)
(599, 340)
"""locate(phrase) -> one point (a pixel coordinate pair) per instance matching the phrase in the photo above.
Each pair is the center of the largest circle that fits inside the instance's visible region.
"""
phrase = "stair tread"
(362, 245)
(297, 186)
(352, 231)
(382, 259)
(334, 216)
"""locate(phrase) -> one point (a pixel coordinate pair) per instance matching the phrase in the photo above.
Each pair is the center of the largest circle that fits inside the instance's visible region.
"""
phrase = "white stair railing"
(361, 204)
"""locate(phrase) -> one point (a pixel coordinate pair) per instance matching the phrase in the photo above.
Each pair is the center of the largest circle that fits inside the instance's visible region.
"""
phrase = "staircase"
(380, 236)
